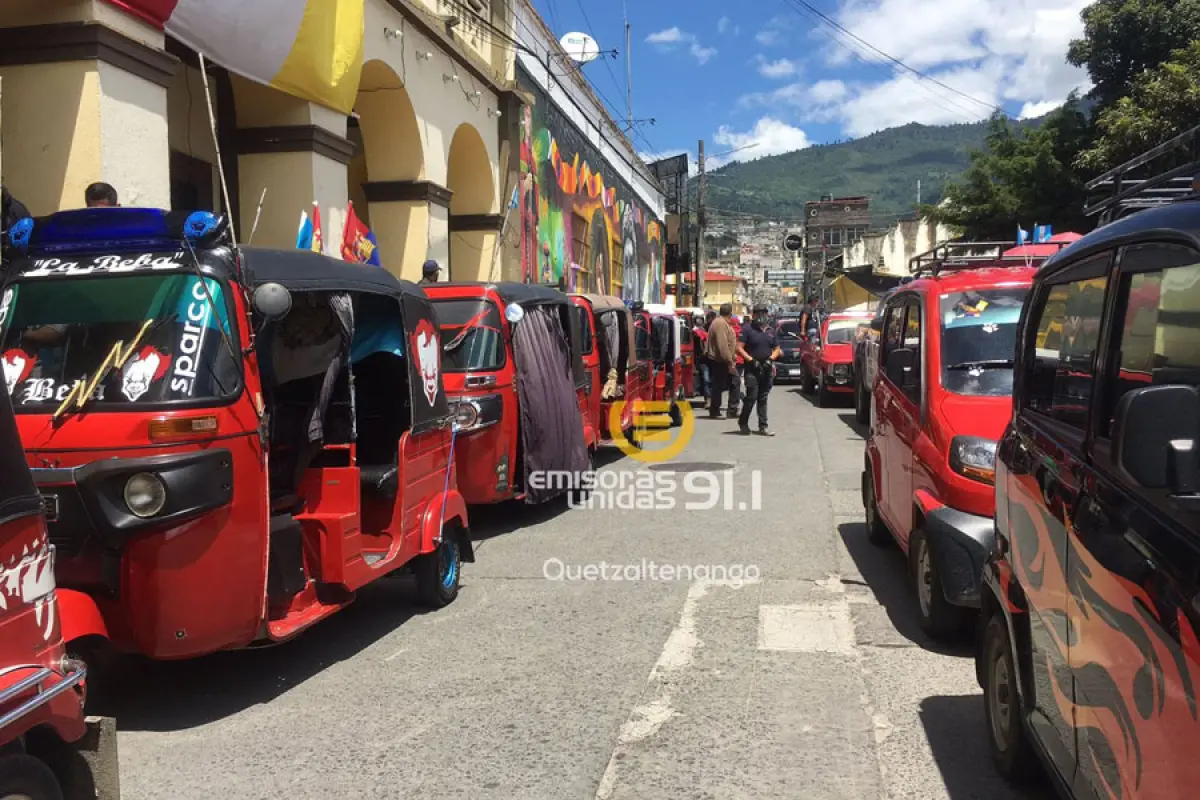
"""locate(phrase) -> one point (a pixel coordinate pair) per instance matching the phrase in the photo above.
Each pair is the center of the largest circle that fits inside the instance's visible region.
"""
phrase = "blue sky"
(767, 72)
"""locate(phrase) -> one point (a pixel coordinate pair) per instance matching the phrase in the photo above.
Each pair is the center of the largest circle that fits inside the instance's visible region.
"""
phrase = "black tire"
(1011, 750)
(438, 573)
(877, 530)
(938, 617)
(25, 776)
(823, 396)
(807, 384)
(862, 403)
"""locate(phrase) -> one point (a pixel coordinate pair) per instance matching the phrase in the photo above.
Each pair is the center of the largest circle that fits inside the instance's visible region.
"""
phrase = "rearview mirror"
(900, 366)
(1156, 436)
(273, 301)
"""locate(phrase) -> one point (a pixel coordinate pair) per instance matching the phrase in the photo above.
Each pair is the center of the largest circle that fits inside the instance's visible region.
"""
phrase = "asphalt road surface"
(768, 653)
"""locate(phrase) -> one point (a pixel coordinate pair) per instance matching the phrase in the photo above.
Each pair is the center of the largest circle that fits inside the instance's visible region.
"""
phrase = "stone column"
(410, 221)
(298, 152)
(85, 101)
(473, 246)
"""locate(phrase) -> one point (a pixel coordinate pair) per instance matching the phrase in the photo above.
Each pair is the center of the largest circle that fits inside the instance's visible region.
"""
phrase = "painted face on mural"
(634, 280)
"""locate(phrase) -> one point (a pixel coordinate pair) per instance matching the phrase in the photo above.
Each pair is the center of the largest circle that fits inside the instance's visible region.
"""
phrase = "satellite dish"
(580, 47)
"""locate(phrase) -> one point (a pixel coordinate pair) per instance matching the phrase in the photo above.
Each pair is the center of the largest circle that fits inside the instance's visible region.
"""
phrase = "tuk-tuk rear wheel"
(438, 573)
(23, 777)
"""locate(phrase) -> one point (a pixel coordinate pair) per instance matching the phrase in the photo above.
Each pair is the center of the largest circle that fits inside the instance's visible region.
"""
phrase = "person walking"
(699, 345)
(430, 271)
(722, 358)
(759, 349)
(735, 381)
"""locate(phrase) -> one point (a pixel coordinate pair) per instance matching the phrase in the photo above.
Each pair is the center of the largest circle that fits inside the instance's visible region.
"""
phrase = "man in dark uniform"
(760, 350)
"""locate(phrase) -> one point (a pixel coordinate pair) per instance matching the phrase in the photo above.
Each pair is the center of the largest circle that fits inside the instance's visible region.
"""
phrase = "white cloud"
(783, 68)
(1035, 110)
(774, 32)
(992, 53)
(702, 54)
(668, 39)
(770, 136)
(723, 25)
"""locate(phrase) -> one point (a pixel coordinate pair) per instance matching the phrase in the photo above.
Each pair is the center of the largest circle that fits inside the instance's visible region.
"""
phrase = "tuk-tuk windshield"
(472, 338)
(841, 331)
(55, 333)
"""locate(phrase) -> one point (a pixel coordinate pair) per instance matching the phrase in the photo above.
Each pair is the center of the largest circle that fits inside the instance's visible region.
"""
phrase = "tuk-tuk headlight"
(145, 495)
(974, 457)
(466, 415)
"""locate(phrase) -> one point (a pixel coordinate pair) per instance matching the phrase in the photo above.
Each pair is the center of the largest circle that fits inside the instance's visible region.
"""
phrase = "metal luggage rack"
(1157, 177)
(955, 256)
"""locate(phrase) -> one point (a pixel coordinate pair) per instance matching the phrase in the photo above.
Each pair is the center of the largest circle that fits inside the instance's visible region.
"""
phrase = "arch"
(473, 193)
(388, 144)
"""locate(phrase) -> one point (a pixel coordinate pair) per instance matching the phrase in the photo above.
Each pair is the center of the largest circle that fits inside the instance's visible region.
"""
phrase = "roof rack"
(1157, 177)
(955, 256)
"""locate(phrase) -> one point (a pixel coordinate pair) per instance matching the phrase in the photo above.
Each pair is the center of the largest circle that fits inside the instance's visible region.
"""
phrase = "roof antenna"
(212, 127)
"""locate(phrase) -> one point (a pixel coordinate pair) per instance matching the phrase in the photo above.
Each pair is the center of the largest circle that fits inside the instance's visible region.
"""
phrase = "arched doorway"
(473, 225)
(388, 153)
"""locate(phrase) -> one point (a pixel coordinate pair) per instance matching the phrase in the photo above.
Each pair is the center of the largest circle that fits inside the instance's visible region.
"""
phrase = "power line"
(592, 32)
(888, 57)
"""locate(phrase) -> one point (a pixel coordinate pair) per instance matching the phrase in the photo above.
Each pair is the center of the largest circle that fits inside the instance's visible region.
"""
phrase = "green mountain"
(884, 166)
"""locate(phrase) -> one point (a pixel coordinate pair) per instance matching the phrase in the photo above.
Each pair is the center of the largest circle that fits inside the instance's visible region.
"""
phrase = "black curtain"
(551, 428)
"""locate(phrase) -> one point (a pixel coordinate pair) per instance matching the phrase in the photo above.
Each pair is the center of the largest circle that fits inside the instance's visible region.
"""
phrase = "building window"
(832, 237)
(579, 247)
(855, 234)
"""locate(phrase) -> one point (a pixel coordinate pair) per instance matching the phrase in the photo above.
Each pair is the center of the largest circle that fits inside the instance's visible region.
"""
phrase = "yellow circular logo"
(651, 424)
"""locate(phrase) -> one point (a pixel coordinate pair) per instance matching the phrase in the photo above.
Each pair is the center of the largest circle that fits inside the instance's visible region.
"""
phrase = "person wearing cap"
(430, 271)
(759, 350)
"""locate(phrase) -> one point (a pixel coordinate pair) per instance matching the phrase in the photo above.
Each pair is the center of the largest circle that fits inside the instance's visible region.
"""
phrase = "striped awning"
(312, 49)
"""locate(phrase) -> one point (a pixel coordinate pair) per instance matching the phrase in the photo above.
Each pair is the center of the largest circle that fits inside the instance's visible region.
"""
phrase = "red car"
(941, 401)
(827, 360)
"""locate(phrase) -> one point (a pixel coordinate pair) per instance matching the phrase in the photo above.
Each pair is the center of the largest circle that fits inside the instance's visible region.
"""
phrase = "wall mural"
(580, 229)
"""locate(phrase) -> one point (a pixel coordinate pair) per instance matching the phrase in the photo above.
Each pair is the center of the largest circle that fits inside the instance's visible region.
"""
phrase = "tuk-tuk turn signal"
(183, 428)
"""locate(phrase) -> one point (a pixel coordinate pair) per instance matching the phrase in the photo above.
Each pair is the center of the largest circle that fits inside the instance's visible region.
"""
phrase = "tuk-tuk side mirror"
(1156, 438)
(273, 301)
(900, 367)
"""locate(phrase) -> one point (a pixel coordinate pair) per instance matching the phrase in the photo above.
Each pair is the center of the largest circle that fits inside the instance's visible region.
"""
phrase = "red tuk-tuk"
(41, 690)
(514, 374)
(666, 344)
(687, 346)
(221, 471)
(616, 370)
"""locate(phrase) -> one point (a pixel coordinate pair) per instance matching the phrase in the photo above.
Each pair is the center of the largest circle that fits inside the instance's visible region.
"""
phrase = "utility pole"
(918, 191)
(700, 223)
(628, 72)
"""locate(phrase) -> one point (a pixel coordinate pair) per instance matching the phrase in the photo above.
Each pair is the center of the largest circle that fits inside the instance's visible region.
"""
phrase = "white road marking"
(809, 628)
(647, 718)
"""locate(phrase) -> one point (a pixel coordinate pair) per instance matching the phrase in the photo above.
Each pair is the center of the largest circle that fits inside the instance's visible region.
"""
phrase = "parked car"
(940, 403)
(1089, 653)
(827, 358)
(791, 342)
(866, 362)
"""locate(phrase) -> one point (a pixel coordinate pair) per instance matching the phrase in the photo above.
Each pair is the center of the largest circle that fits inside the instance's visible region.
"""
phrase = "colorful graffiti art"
(581, 230)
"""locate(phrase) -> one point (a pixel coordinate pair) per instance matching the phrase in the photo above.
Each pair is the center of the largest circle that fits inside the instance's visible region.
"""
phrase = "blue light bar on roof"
(116, 230)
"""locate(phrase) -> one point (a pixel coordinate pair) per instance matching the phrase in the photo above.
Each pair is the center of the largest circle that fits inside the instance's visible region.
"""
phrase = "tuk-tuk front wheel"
(23, 776)
(438, 573)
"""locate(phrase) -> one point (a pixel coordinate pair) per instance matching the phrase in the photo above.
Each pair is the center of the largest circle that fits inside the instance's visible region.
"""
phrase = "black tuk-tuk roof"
(1178, 222)
(306, 271)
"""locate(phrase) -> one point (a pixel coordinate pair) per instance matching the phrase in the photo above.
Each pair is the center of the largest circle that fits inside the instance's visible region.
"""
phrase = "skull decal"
(427, 349)
(142, 371)
(17, 366)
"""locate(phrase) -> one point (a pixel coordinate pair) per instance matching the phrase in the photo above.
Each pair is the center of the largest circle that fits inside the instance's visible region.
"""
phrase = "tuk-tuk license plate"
(794, 371)
(50, 507)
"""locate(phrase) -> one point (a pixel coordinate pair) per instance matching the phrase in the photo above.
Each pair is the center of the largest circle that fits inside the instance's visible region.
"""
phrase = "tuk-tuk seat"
(382, 480)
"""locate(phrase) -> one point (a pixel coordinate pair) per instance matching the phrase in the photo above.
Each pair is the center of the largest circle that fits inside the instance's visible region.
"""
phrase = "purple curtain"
(551, 428)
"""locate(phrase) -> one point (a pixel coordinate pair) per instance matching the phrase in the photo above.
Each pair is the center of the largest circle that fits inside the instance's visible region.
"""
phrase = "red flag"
(358, 243)
(318, 242)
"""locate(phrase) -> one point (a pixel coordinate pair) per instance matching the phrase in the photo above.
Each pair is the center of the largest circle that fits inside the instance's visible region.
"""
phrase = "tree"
(1021, 178)
(1123, 38)
(1162, 103)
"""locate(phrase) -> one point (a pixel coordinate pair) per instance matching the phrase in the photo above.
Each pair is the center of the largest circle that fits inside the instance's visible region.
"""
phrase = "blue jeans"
(703, 380)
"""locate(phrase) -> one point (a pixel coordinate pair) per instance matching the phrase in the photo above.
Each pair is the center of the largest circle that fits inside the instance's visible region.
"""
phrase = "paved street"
(811, 682)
